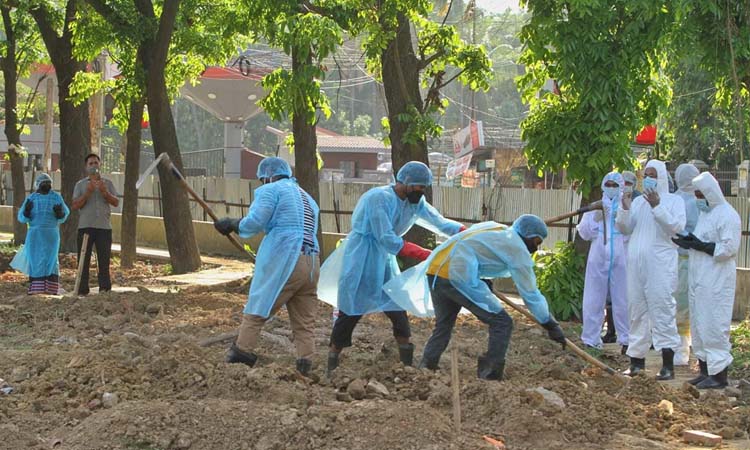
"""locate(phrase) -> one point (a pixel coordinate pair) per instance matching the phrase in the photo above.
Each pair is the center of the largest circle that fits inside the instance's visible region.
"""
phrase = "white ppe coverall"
(684, 176)
(605, 269)
(652, 267)
(713, 278)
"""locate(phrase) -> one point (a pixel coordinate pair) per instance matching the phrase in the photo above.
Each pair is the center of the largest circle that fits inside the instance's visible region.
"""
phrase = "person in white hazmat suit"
(712, 274)
(684, 176)
(652, 220)
(606, 266)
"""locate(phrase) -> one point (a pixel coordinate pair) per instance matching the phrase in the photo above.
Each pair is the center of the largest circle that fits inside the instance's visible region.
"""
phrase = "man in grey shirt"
(94, 197)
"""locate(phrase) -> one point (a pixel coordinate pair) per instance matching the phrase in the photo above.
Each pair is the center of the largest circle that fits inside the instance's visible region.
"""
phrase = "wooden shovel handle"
(568, 344)
(232, 238)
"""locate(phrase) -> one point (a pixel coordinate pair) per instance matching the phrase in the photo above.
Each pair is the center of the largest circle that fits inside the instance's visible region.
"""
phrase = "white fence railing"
(232, 197)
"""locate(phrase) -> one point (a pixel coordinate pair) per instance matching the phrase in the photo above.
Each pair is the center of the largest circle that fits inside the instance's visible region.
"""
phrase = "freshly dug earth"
(126, 371)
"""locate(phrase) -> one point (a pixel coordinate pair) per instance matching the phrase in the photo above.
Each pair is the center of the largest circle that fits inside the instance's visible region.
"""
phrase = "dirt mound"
(255, 425)
(127, 371)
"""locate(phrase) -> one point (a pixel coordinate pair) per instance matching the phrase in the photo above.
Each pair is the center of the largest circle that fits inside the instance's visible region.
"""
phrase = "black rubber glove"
(226, 225)
(554, 331)
(706, 247)
(58, 210)
(682, 243)
(27, 209)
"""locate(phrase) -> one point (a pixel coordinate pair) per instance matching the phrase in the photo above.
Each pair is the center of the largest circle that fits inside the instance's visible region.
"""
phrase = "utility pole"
(473, 42)
(96, 108)
(48, 125)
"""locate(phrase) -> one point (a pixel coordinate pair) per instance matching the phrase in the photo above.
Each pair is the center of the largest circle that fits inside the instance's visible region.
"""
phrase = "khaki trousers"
(299, 294)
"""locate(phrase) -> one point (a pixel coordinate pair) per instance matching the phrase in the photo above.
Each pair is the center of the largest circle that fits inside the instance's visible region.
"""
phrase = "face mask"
(44, 188)
(531, 246)
(702, 204)
(93, 170)
(628, 189)
(649, 183)
(414, 196)
(611, 192)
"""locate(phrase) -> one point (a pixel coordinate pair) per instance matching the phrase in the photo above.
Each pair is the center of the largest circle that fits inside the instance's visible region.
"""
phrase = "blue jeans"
(448, 301)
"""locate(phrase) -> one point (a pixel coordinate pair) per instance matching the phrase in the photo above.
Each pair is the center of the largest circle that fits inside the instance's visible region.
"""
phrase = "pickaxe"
(584, 209)
(581, 210)
(167, 163)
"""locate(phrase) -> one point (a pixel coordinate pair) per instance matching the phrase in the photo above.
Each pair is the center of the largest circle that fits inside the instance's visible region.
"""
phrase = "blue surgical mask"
(649, 183)
(611, 192)
(702, 204)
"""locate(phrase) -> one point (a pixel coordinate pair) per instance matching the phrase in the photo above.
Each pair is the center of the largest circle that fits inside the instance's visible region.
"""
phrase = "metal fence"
(232, 197)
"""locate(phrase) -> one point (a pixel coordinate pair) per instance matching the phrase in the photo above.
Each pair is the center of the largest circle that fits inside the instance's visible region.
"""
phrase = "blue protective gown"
(278, 211)
(352, 278)
(486, 250)
(38, 257)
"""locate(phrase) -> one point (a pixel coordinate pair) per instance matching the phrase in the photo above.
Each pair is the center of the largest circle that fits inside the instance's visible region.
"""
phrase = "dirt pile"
(126, 371)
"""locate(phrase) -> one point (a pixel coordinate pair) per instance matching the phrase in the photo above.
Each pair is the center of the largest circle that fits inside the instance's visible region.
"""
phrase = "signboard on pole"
(458, 166)
(468, 139)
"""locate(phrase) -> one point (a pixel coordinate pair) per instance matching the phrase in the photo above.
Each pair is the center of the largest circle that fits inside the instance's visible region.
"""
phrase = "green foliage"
(560, 276)
(607, 59)
(204, 34)
(442, 57)
(306, 35)
(29, 49)
(740, 339)
(711, 49)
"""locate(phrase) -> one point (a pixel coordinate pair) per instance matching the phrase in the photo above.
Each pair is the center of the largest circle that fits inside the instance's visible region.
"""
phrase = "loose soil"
(65, 356)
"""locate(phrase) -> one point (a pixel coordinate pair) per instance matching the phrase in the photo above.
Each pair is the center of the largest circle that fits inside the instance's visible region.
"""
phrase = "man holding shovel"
(287, 267)
(94, 197)
(458, 276)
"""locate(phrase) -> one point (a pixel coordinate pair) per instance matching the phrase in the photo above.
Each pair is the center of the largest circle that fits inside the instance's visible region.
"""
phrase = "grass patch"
(740, 339)
(8, 248)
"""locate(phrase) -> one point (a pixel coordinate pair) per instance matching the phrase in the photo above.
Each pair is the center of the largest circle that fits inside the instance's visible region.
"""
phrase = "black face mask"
(531, 246)
(414, 196)
(44, 188)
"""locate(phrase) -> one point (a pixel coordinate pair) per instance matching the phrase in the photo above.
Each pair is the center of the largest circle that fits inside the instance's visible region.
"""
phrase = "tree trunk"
(75, 138)
(130, 193)
(401, 86)
(305, 148)
(178, 222)
(12, 133)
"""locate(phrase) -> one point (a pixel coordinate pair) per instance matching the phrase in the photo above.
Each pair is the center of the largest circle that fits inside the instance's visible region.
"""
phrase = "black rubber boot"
(490, 370)
(333, 362)
(667, 367)
(426, 364)
(718, 381)
(637, 365)
(406, 354)
(624, 350)
(703, 375)
(304, 366)
(611, 335)
(235, 355)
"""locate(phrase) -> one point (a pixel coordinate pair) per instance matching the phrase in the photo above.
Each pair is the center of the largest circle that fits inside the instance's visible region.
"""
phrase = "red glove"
(411, 250)
(463, 228)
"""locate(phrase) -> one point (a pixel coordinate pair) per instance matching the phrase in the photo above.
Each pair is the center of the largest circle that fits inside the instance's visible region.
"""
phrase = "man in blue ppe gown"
(353, 276)
(287, 266)
(458, 276)
(44, 211)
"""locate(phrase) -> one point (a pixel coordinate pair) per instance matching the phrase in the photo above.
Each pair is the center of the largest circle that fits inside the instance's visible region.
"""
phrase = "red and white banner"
(468, 139)
(458, 166)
